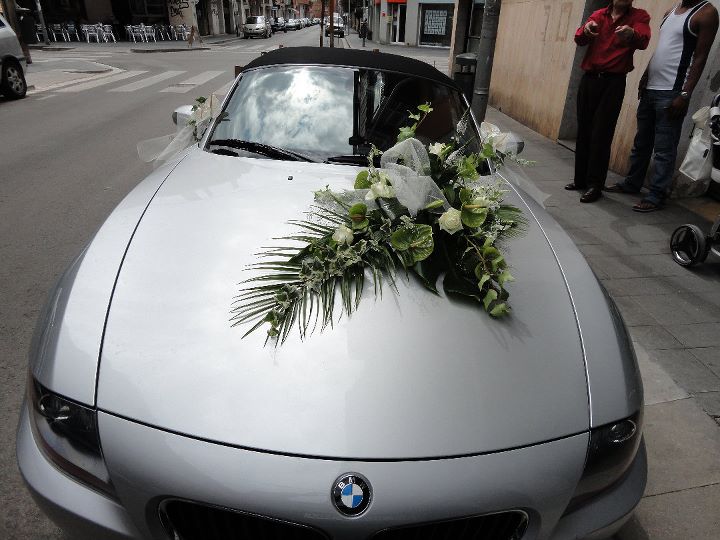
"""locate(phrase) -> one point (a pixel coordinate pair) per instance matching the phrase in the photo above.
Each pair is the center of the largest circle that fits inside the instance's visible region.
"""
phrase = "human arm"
(588, 31)
(707, 26)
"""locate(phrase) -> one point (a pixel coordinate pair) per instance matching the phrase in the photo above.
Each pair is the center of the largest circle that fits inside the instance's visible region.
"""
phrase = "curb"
(49, 48)
(169, 50)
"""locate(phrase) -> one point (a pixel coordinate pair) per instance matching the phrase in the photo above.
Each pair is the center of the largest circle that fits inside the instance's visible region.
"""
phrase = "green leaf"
(499, 310)
(425, 107)
(497, 263)
(406, 133)
(490, 297)
(417, 240)
(414, 116)
(504, 278)
(360, 225)
(362, 181)
(473, 217)
(466, 195)
(435, 204)
(358, 213)
(449, 193)
(400, 239)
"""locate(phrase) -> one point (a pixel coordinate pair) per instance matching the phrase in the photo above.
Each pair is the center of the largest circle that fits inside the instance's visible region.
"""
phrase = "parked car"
(12, 63)
(278, 24)
(148, 416)
(337, 28)
(257, 26)
(292, 24)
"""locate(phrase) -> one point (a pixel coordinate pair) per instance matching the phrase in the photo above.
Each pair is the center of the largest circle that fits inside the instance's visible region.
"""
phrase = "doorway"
(398, 23)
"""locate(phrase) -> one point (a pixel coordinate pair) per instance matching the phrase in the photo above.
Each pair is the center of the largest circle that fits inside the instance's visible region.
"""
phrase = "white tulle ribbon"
(161, 149)
(408, 166)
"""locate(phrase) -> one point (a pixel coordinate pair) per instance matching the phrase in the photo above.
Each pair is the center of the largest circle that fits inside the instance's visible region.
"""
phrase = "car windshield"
(324, 112)
(255, 20)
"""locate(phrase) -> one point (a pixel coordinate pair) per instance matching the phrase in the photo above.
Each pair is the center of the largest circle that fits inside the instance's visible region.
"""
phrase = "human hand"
(590, 29)
(678, 108)
(625, 33)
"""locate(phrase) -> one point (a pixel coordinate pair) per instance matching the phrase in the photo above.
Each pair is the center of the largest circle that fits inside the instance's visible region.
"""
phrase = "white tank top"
(669, 66)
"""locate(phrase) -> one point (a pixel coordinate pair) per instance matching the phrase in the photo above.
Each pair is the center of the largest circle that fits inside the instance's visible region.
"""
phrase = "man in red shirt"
(612, 36)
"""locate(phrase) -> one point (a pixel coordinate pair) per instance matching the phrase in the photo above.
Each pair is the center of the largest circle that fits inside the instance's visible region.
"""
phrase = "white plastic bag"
(697, 165)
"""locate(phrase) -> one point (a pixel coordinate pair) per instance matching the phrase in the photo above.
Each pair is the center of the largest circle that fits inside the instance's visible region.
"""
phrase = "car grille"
(503, 526)
(191, 521)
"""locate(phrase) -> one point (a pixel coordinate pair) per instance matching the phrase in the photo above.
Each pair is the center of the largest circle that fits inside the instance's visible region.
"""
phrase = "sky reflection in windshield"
(302, 109)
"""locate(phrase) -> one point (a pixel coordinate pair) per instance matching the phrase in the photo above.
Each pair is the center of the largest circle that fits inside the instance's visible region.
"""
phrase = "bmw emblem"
(351, 494)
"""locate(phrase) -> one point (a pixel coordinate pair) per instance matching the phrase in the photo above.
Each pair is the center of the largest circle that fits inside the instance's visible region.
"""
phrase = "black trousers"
(600, 98)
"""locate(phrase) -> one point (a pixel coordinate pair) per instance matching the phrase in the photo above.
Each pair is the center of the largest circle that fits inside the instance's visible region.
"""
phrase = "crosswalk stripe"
(144, 83)
(186, 86)
(224, 89)
(101, 82)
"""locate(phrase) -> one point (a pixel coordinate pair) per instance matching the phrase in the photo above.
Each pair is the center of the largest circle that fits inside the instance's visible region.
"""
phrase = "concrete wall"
(182, 12)
(536, 70)
(99, 11)
(534, 57)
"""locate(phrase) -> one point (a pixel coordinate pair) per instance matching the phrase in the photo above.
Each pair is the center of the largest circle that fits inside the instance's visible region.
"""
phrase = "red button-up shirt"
(608, 52)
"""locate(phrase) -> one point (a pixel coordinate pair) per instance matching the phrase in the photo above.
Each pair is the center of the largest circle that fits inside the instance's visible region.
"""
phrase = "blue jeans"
(655, 131)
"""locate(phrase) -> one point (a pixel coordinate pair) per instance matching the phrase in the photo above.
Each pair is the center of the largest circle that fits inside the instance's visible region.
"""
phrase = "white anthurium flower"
(343, 235)
(450, 221)
(380, 189)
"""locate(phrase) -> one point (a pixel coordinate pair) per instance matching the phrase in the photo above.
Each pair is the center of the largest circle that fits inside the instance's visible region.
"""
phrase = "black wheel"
(688, 245)
(12, 82)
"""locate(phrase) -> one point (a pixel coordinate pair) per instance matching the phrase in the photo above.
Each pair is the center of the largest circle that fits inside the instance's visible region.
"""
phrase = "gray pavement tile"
(654, 337)
(633, 313)
(697, 335)
(700, 279)
(683, 446)
(710, 402)
(681, 308)
(654, 265)
(710, 357)
(636, 286)
(686, 370)
(623, 250)
(583, 236)
(688, 515)
(658, 386)
(614, 267)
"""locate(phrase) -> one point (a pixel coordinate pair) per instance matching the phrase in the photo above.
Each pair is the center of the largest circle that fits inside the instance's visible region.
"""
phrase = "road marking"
(102, 81)
(186, 86)
(224, 89)
(147, 82)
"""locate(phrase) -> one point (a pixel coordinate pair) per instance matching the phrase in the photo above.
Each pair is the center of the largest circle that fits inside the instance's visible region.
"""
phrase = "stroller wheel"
(688, 245)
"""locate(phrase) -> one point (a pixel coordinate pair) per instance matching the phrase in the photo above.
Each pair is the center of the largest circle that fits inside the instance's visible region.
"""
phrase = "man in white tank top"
(686, 36)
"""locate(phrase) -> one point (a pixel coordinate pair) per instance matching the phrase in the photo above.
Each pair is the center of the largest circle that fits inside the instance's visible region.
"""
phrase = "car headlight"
(611, 451)
(67, 433)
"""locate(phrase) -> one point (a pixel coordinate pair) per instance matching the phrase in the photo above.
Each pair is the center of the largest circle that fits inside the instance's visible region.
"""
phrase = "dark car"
(278, 24)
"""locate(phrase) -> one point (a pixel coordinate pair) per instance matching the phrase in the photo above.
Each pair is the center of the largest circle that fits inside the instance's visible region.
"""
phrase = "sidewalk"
(673, 315)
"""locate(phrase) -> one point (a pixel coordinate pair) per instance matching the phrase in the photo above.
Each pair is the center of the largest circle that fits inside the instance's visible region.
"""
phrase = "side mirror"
(181, 116)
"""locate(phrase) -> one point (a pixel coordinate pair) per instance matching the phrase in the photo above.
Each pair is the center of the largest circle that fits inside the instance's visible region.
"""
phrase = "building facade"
(536, 71)
(210, 17)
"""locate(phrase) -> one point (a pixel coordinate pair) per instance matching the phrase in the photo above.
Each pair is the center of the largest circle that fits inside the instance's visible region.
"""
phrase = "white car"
(12, 59)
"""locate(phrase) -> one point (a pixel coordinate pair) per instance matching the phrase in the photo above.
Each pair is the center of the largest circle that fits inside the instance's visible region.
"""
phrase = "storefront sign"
(435, 22)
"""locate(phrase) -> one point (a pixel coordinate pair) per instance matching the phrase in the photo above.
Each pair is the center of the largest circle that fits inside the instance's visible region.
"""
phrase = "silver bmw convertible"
(150, 415)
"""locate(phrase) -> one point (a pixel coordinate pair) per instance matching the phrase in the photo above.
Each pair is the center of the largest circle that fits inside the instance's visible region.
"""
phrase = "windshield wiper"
(351, 159)
(260, 148)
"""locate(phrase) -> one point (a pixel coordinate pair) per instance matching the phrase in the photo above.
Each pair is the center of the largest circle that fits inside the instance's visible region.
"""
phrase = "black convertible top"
(352, 58)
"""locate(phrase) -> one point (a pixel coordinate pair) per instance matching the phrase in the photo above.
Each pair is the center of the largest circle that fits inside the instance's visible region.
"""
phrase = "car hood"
(409, 375)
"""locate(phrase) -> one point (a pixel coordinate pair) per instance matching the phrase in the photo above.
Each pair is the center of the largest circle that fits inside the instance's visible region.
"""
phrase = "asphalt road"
(67, 158)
